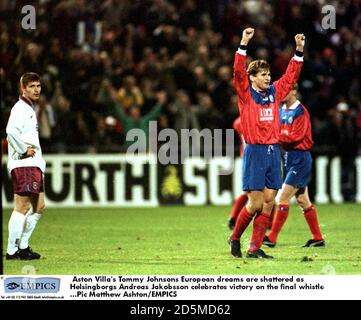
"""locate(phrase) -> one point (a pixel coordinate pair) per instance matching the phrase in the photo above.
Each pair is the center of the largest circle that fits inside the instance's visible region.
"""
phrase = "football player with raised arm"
(258, 102)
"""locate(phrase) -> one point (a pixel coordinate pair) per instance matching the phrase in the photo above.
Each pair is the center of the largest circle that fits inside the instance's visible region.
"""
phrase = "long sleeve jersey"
(259, 111)
(296, 130)
(238, 128)
(22, 131)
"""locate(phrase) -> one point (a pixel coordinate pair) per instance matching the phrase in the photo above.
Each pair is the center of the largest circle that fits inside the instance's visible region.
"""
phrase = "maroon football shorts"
(27, 180)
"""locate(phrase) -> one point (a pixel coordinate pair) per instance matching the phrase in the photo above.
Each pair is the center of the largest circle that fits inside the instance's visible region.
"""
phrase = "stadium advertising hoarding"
(123, 180)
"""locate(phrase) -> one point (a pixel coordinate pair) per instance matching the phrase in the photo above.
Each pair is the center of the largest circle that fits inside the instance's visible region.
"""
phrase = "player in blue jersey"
(296, 140)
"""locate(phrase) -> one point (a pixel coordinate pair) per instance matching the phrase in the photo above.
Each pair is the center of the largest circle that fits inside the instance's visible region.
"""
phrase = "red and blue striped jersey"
(259, 112)
(296, 129)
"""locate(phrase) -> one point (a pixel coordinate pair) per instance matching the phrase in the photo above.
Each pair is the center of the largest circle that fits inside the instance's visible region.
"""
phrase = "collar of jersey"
(27, 101)
(263, 98)
(293, 105)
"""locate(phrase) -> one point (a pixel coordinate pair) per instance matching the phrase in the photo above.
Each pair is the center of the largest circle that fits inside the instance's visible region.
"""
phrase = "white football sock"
(30, 223)
(16, 227)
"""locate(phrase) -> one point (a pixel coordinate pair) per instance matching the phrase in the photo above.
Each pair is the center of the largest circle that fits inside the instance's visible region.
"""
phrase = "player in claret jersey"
(296, 139)
(26, 165)
(258, 103)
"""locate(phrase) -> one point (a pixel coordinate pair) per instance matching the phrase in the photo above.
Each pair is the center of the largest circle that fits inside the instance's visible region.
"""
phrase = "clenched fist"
(300, 41)
(247, 35)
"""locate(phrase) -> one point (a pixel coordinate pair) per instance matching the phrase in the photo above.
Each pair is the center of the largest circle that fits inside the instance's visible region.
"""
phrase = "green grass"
(183, 240)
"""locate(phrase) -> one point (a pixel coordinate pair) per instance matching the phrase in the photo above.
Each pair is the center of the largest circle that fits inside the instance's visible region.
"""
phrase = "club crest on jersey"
(271, 98)
(290, 119)
(266, 114)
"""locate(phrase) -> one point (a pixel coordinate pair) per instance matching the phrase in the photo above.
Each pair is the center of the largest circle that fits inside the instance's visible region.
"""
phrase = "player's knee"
(267, 206)
(254, 206)
(22, 207)
(269, 202)
(302, 203)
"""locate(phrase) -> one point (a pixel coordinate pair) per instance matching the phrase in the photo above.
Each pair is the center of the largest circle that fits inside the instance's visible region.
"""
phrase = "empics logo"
(12, 286)
(32, 285)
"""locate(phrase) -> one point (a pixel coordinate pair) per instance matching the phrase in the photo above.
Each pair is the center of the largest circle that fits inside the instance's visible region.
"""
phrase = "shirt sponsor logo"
(266, 114)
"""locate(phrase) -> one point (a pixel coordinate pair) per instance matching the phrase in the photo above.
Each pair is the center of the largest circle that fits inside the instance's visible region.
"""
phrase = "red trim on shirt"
(27, 101)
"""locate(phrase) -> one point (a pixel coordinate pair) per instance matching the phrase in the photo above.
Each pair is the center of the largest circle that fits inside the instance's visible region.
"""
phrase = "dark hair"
(256, 66)
(295, 87)
(28, 77)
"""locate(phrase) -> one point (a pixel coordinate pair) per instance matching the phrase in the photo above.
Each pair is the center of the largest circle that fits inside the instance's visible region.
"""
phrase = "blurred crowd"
(171, 61)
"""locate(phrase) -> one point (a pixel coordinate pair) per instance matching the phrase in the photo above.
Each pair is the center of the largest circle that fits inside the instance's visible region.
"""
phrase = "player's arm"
(237, 126)
(296, 132)
(13, 130)
(290, 77)
(240, 79)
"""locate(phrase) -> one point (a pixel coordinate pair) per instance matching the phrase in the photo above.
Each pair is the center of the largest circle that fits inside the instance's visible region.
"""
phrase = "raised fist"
(247, 35)
(300, 40)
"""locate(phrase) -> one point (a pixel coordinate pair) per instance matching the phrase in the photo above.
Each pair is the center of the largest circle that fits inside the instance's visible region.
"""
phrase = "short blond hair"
(256, 66)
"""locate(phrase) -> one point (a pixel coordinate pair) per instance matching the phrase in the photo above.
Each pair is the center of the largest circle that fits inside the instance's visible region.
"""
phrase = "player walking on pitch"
(258, 103)
(26, 165)
(296, 139)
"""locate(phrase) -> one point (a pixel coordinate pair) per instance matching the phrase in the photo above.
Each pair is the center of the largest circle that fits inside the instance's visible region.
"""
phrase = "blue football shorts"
(261, 167)
(298, 168)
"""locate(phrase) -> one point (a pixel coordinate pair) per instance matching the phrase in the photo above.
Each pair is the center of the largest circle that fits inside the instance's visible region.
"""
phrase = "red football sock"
(260, 225)
(238, 205)
(242, 223)
(311, 218)
(279, 220)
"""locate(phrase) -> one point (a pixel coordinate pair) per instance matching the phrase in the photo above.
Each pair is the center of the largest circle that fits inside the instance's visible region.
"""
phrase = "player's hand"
(300, 41)
(30, 152)
(247, 35)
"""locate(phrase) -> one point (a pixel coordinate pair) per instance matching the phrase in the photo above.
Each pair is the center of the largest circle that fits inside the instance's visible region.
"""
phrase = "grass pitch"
(183, 240)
